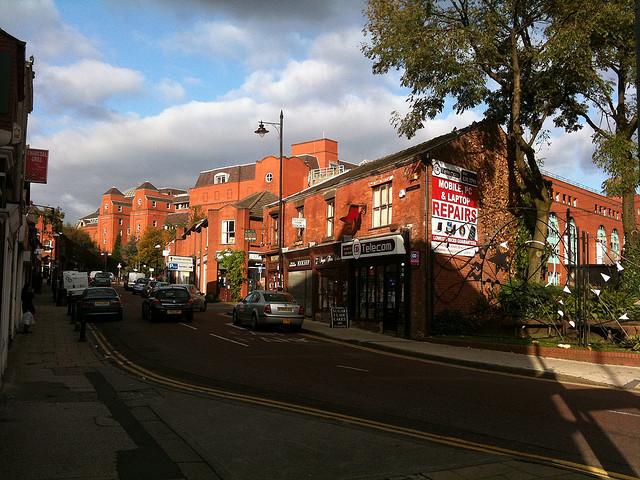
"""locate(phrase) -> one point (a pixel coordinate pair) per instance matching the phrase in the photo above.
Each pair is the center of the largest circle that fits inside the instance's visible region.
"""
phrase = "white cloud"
(38, 23)
(214, 39)
(87, 83)
(171, 90)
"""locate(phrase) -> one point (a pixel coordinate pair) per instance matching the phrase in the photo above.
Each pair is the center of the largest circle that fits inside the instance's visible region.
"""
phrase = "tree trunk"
(537, 252)
(631, 237)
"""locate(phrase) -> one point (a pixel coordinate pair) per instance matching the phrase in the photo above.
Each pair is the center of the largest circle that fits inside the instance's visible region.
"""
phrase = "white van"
(131, 279)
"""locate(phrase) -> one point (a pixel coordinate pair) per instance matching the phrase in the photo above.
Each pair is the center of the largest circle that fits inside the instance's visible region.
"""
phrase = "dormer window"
(221, 178)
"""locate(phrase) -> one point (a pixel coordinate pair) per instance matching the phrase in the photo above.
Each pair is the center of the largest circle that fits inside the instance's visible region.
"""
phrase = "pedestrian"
(28, 309)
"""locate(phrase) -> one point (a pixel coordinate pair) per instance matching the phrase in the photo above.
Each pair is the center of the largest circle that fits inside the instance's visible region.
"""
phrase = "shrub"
(452, 322)
(632, 342)
(529, 301)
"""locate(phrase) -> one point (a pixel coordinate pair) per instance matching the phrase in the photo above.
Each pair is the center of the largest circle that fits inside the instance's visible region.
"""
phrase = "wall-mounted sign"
(299, 222)
(454, 210)
(37, 163)
(250, 235)
(300, 263)
(182, 264)
(415, 258)
(373, 247)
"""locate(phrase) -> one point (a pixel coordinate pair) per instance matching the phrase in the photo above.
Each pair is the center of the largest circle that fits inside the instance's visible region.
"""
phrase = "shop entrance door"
(390, 301)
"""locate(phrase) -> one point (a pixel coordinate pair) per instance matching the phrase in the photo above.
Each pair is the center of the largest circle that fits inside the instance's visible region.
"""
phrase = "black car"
(168, 302)
(100, 302)
(151, 287)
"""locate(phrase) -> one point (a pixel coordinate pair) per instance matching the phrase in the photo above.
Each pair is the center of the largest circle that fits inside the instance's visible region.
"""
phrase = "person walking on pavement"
(28, 308)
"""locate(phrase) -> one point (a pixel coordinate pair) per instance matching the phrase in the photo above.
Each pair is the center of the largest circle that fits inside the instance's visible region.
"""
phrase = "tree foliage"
(491, 53)
(147, 253)
(80, 238)
(233, 262)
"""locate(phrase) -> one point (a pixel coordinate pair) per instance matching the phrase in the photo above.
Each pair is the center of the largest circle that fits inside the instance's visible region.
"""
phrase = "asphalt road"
(577, 423)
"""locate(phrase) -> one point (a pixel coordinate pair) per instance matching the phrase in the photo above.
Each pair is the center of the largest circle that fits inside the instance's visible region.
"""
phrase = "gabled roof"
(256, 202)
(394, 160)
(91, 215)
(112, 191)
(147, 186)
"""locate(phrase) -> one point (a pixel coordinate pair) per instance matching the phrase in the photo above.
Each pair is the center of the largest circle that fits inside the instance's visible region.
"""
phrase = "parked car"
(151, 287)
(101, 279)
(131, 278)
(199, 300)
(172, 301)
(100, 302)
(262, 307)
(139, 286)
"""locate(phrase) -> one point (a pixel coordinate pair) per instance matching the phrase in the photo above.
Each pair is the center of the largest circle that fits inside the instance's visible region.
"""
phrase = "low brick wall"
(629, 359)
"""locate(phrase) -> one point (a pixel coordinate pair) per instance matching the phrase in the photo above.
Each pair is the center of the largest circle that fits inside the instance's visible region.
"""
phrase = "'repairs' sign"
(454, 210)
(373, 247)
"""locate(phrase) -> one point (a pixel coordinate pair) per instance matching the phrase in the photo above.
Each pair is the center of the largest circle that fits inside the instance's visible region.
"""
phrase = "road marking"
(624, 413)
(177, 384)
(188, 326)
(228, 339)
(352, 368)
(235, 326)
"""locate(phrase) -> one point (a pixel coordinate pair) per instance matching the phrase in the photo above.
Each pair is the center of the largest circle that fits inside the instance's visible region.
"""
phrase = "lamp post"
(106, 255)
(158, 246)
(261, 131)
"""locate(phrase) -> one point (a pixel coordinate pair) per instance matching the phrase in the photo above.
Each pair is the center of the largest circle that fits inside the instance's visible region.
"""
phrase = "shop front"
(255, 272)
(330, 282)
(299, 280)
(377, 275)
(273, 277)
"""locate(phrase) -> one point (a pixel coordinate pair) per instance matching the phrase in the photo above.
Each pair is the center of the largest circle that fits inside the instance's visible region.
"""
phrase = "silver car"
(262, 307)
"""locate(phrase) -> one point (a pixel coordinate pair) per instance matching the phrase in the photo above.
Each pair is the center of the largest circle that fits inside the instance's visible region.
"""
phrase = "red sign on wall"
(37, 163)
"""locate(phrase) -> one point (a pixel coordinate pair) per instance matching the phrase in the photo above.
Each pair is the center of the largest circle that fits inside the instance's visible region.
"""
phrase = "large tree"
(599, 37)
(150, 248)
(491, 53)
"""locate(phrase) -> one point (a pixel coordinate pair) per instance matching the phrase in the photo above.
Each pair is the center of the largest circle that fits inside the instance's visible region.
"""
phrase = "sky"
(160, 90)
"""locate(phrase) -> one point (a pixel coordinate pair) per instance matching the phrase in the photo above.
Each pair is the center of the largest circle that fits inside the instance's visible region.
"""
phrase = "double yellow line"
(174, 383)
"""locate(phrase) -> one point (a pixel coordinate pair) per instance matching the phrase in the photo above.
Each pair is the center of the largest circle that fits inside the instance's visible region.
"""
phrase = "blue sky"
(160, 90)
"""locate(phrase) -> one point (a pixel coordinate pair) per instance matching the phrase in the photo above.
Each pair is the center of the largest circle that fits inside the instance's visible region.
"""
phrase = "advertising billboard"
(37, 163)
(454, 210)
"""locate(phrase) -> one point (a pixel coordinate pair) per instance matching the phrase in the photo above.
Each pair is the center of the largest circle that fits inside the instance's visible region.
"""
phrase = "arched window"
(615, 245)
(268, 177)
(570, 242)
(601, 245)
(553, 239)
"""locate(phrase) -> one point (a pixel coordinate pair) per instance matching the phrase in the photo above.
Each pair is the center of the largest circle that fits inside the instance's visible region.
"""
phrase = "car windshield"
(177, 293)
(142, 280)
(100, 292)
(278, 297)
(102, 275)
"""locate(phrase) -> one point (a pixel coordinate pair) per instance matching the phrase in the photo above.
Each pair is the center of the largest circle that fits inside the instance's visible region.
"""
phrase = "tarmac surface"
(66, 413)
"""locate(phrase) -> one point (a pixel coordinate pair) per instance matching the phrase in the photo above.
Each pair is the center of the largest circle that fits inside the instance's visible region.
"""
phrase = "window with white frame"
(300, 214)
(120, 221)
(382, 205)
(268, 177)
(168, 205)
(615, 245)
(139, 202)
(119, 208)
(330, 216)
(221, 178)
(274, 230)
(155, 223)
(138, 227)
(553, 239)
(153, 204)
(601, 245)
(106, 207)
(228, 231)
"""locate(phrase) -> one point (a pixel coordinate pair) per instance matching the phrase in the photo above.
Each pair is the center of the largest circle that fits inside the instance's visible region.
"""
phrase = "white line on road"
(352, 368)
(624, 413)
(228, 339)
(235, 326)
(188, 326)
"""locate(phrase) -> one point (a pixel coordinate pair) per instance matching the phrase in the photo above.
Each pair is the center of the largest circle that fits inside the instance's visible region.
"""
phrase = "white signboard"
(181, 264)
(299, 222)
(454, 210)
(373, 247)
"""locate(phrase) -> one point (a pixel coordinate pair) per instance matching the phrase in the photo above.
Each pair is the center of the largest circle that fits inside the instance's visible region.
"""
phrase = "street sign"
(173, 266)
(184, 264)
(297, 222)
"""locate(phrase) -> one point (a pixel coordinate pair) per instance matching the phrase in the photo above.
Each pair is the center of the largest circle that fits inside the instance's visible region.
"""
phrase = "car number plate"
(102, 304)
(285, 309)
(174, 312)
(286, 321)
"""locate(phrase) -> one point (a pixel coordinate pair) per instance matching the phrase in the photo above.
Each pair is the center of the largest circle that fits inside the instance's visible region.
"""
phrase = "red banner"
(37, 163)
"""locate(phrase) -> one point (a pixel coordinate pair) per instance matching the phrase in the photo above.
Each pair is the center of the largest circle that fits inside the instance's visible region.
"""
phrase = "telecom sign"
(454, 210)
(182, 264)
(373, 247)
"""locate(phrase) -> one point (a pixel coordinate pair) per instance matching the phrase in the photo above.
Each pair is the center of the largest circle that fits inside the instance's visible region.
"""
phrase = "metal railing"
(320, 174)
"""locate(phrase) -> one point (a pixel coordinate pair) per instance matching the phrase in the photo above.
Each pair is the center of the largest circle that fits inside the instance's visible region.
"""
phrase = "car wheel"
(234, 316)
(254, 322)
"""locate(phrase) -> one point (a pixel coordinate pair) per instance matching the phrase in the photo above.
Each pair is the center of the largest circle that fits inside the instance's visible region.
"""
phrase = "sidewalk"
(553, 368)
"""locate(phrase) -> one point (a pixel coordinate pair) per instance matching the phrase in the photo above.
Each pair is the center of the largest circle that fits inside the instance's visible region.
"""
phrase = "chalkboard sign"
(339, 317)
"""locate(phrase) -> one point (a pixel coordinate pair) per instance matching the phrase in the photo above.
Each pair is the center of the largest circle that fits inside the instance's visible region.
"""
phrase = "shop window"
(228, 232)
(330, 216)
(382, 205)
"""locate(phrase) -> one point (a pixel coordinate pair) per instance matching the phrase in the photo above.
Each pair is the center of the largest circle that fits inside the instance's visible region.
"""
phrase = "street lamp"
(158, 246)
(262, 131)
